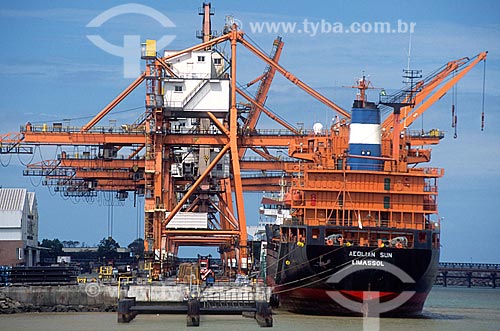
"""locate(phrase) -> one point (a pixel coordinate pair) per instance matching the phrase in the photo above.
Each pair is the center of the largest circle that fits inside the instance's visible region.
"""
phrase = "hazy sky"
(50, 70)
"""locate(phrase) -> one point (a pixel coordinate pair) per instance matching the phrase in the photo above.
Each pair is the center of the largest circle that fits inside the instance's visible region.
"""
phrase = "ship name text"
(372, 263)
(383, 255)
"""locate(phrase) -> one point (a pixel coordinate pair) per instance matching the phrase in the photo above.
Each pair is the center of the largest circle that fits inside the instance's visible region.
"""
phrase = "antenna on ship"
(362, 84)
(409, 52)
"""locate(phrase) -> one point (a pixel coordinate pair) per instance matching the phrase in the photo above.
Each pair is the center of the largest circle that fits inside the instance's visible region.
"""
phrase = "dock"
(468, 274)
(248, 301)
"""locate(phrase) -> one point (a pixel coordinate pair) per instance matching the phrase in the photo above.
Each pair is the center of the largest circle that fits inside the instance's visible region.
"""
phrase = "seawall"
(104, 297)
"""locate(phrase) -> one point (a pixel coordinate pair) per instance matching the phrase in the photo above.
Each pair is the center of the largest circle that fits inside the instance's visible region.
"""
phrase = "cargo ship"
(362, 232)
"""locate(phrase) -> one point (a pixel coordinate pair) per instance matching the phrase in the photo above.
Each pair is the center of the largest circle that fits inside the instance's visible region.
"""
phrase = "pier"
(247, 301)
(468, 274)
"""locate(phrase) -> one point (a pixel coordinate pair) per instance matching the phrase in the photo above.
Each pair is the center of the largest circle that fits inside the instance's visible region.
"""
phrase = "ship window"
(387, 202)
(435, 240)
(217, 61)
(422, 237)
(387, 184)
(201, 59)
(341, 199)
(178, 88)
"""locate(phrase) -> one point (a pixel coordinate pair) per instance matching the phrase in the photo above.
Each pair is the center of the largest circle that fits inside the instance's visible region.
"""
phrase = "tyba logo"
(371, 305)
(131, 49)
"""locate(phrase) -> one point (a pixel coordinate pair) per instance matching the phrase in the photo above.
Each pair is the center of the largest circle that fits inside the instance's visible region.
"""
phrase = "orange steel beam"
(197, 238)
(226, 203)
(194, 241)
(227, 219)
(417, 111)
(279, 140)
(128, 139)
(79, 138)
(266, 111)
(264, 154)
(12, 138)
(261, 181)
(197, 241)
(235, 160)
(113, 103)
(194, 139)
(118, 184)
(256, 80)
(421, 141)
(195, 185)
(101, 163)
(266, 140)
(218, 124)
(425, 90)
(198, 47)
(264, 88)
(136, 151)
(104, 174)
(201, 232)
(261, 188)
(262, 165)
(165, 66)
(288, 75)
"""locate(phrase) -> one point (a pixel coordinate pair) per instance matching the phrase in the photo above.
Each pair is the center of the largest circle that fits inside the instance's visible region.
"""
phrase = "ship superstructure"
(364, 227)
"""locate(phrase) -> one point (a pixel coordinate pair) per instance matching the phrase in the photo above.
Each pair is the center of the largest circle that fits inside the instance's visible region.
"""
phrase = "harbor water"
(446, 309)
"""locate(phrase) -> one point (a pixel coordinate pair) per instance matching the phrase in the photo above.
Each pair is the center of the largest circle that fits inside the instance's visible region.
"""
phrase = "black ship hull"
(350, 280)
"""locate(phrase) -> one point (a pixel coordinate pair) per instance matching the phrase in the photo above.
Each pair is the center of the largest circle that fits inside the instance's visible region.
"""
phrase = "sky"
(50, 70)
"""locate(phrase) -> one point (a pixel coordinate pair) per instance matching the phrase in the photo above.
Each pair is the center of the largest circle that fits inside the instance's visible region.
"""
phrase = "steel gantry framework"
(147, 169)
(219, 138)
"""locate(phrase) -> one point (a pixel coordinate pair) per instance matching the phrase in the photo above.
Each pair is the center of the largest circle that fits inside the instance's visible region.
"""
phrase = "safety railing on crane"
(59, 127)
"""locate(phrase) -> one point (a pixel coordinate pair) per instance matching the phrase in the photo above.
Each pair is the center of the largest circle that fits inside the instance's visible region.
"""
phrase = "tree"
(55, 246)
(70, 243)
(137, 247)
(107, 249)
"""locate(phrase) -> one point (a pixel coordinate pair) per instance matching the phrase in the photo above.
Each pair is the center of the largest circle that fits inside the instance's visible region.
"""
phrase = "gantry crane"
(187, 159)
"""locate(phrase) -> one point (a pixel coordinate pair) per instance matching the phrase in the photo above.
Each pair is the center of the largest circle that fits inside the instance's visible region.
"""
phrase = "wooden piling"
(193, 314)
(125, 315)
(263, 314)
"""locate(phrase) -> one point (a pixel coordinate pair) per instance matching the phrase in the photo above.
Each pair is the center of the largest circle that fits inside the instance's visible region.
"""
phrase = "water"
(446, 309)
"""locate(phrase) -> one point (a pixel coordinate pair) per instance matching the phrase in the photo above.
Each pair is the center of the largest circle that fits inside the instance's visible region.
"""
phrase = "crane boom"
(420, 109)
(294, 79)
(422, 90)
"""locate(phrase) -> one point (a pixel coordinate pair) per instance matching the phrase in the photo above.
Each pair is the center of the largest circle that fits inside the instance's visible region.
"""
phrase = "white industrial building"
(18, 227)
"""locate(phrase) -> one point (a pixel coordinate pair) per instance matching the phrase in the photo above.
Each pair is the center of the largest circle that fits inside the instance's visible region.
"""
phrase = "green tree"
(55, 246)
(137, 247)
(107, 249)
(70, 243)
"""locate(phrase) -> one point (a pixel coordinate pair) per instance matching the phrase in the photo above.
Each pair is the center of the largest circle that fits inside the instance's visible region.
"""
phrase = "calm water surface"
(446, 309)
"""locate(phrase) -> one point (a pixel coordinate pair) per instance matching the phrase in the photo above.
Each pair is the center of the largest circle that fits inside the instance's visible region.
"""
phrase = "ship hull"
(342, 280)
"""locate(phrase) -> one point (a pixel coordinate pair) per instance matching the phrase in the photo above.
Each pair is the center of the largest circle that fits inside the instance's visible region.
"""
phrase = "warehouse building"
(18, 227)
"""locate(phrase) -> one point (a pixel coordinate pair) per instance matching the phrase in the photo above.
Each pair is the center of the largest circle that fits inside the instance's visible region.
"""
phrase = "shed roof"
(12, 198)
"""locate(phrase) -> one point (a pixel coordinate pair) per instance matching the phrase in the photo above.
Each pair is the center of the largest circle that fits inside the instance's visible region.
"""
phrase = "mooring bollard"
(263, 314)
(124, 313)
(193, 315)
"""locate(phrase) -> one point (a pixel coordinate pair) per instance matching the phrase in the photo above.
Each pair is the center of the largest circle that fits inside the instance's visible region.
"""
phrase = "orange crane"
(158, 168)
(417, 100)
